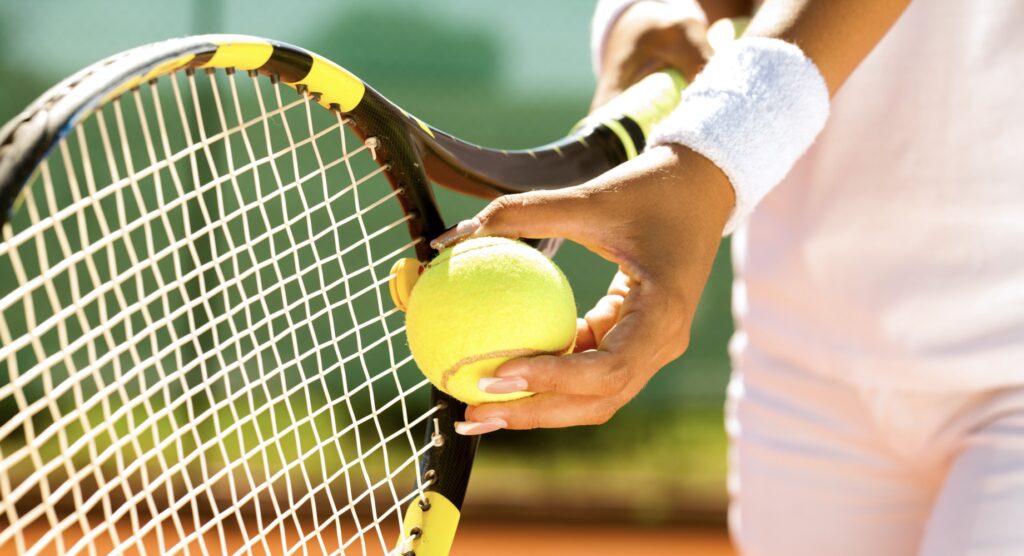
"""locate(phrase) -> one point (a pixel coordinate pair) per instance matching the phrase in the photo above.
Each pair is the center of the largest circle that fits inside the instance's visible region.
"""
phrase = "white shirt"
(893, 253)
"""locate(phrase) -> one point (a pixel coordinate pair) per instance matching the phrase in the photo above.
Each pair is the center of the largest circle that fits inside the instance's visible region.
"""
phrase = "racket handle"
(644, 104)
(654, 97)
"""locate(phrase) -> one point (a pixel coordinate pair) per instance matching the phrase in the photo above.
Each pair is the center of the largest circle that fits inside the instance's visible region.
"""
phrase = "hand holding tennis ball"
(481, 303)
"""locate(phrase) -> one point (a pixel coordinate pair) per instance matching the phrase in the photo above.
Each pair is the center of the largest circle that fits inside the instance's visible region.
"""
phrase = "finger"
(455, 234)
(591, 329)
(618, 370)
(540, 411)
(621, 284)
(567, 213)
(686, 52)
(584, 337)
(627, 355)
(588, 373)
(471, 428)
(535, 214)
(603, 316)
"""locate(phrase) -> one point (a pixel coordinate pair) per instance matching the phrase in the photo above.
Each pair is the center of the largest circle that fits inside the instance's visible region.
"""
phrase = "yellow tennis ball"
(481, 303)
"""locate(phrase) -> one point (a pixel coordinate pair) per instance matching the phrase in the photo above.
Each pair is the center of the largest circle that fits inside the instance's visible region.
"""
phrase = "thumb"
(535, 214)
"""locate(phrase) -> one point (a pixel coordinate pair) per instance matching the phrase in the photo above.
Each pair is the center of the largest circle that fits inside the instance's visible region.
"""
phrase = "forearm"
(835, 34)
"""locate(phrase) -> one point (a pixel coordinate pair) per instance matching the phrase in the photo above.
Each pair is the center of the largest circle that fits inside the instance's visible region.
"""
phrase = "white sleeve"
(608, 12)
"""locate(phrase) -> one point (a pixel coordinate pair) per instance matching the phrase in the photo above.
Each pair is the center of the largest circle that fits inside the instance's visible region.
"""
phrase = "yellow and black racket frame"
(412, 154)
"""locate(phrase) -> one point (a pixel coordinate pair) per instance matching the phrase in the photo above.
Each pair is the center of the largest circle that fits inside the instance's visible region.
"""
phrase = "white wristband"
(608, 12)
(753, 111)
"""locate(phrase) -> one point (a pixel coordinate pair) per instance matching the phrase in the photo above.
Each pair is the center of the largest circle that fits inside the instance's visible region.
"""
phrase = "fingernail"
(489, 424)
(451, 236)
(500, 385)
(511, 369)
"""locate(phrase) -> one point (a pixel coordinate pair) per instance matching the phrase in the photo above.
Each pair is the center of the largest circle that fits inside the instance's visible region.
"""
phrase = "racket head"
(48, 140)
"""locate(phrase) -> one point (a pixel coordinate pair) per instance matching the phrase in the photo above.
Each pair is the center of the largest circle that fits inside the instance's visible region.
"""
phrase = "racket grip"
(644, 104)
(654, 97)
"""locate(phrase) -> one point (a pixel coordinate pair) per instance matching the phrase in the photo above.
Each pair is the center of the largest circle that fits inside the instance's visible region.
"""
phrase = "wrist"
(706, 185)
(754, 110)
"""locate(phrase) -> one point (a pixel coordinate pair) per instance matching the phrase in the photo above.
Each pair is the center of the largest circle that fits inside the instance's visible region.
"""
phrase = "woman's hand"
(647, 37)
(658, 217)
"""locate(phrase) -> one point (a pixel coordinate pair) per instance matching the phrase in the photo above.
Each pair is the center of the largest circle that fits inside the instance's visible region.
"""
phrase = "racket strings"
(198, 351)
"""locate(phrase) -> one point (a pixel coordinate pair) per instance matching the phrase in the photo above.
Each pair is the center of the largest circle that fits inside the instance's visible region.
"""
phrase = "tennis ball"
(481, 303)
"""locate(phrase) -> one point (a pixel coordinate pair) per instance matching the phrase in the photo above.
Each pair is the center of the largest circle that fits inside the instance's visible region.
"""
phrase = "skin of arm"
(659, 217)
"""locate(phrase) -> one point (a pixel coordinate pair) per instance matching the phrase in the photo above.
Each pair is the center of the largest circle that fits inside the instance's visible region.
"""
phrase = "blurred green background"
(503, 74)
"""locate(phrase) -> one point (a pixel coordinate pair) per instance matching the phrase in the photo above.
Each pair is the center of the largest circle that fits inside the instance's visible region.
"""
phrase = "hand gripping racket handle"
(632, 114)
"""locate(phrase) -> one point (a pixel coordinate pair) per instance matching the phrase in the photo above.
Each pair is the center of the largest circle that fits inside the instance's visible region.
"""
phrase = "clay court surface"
(478, 539)
(580, 540)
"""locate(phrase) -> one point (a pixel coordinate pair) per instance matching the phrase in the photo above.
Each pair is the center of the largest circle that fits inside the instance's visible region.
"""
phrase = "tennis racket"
(198, 350)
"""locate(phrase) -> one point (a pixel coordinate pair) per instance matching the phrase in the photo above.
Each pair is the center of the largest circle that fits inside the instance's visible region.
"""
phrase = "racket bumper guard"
(404, 274)
(431, 531)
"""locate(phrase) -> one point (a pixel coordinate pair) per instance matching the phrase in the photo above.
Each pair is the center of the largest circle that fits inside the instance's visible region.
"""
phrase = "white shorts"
(820, 467)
